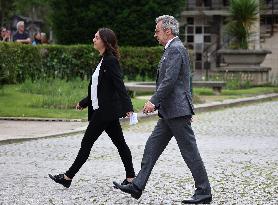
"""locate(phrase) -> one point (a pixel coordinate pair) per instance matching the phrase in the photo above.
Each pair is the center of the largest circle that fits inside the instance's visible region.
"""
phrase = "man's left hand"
(149, 107)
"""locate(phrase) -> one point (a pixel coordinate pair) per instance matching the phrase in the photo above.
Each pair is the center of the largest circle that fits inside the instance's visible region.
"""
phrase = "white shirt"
(94, 86)
(168, 43)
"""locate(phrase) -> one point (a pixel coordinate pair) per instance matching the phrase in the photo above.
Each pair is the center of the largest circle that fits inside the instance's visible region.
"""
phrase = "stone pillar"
(254, 39)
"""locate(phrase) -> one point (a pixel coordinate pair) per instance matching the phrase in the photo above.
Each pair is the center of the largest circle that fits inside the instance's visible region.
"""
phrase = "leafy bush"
(22, 62)
(243, 14)
(238, 84)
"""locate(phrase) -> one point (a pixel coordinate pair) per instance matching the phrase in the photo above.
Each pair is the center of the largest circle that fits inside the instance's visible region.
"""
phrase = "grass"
(54, 99)
(14, 103)
(239, 92)
(207, 95)
(57, 98)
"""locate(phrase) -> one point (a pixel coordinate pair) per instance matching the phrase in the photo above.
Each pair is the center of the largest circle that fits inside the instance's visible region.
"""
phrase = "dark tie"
(157, 75)
(157, 71)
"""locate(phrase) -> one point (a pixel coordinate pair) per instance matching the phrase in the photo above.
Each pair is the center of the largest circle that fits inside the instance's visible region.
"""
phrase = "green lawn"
(16, 103)
(239, 92)
(206, 94)
(57, 98)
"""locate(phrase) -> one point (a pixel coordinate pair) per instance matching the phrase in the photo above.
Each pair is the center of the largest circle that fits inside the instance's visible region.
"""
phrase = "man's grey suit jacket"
(172, 96)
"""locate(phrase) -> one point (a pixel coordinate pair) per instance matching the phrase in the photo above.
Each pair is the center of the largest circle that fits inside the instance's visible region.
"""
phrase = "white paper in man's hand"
(133, 119)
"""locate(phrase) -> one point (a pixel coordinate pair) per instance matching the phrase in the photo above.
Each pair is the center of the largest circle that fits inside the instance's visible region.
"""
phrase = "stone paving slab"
(239, 147)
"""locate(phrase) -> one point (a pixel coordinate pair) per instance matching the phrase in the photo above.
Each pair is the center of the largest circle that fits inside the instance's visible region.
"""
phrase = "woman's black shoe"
(60, 180)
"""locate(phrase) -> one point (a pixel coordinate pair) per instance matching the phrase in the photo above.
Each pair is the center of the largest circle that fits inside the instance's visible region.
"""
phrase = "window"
(207, 39)
(268, 20)
(262, 20)
(225, 2)
(199, 3)
(199, 47)
(207, 3)
(182, 33)
(207, 30)
(198, 65)
(190, 29)
(198, 56)
(190, 39)
(190, 20)
(207, 65)
(268, 1)
(198, 29)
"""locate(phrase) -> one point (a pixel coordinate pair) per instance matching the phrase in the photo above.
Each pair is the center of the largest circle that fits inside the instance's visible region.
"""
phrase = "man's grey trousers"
(165, 129)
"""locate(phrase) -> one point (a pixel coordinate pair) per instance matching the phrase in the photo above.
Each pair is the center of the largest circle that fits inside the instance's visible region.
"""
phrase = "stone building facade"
(202, 30)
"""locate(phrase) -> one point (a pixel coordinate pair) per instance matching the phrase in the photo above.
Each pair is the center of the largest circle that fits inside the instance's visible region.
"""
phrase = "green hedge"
(21, 62)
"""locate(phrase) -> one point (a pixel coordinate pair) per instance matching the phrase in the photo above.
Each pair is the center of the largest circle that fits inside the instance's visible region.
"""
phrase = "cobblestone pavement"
(239, 147)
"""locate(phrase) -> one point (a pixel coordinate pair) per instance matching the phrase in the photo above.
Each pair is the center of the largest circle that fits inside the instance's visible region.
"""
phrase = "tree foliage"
(133, 21)
(243, 16)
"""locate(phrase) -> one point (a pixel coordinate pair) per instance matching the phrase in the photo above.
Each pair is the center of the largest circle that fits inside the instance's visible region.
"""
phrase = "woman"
(107, 101)
(5, 35)
(37, 38)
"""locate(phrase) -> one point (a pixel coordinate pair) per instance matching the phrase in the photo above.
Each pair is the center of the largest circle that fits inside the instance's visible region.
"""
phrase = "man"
(21, 36)
(173, 100)
(44, 38)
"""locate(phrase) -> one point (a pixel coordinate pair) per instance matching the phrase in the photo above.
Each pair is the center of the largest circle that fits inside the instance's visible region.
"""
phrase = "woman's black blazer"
(113, 99)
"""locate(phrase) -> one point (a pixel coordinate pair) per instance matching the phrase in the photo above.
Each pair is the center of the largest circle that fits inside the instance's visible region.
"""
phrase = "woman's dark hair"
(35, 35)
(110, 41)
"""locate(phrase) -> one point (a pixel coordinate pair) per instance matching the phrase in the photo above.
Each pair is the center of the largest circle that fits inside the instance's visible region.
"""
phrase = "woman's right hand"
(78, 107)
(128, 114)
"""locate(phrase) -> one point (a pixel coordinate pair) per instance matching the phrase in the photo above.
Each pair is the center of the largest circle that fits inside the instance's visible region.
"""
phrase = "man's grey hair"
(169, 22)
(20, 23)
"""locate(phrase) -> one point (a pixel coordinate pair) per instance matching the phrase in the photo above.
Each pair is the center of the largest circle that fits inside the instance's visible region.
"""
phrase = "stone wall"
(271, 60)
